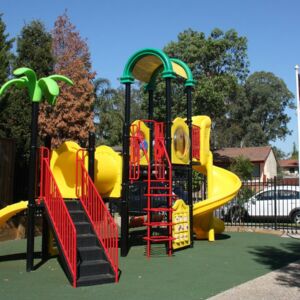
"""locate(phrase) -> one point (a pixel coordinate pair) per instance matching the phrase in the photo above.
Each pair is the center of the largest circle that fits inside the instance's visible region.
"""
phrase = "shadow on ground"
(276, 258)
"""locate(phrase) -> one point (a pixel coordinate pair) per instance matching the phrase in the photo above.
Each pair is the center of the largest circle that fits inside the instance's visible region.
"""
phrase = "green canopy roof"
(146, 64)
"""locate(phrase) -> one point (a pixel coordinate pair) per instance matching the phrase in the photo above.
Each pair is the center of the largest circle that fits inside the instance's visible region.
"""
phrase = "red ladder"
(159, 183)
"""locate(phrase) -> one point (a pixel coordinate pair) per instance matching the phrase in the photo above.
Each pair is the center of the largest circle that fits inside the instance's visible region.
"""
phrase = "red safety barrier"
(196, 142)
(58, 213)
(97, 212)
(134, 157)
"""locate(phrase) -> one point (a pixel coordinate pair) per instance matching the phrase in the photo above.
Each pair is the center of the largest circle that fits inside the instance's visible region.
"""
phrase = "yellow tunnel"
(108, 170)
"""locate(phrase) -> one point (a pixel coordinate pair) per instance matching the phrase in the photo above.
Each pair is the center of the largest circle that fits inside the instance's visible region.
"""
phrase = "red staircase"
(86, 233)
(159, 184)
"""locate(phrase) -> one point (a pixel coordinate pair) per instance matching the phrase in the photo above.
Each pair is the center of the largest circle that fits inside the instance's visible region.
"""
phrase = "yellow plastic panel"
(146, 133)
(179, 70)
(145, 67)
(204, 122)
(181, 227)
(180, 142)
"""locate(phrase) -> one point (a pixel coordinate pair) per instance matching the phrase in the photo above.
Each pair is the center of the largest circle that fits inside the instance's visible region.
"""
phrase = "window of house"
(292, 170)
(256, 170)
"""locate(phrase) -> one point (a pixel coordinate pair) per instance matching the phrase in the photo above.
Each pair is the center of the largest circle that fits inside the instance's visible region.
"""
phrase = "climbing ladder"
(159, 185)
(85, 232)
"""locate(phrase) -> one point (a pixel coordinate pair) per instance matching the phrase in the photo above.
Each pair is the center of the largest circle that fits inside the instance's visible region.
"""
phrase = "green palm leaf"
(30, 74)
(49, 89)
(62, 78)
(19, 82)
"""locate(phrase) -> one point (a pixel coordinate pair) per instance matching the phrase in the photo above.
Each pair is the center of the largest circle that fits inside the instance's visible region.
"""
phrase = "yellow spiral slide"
(222, 186)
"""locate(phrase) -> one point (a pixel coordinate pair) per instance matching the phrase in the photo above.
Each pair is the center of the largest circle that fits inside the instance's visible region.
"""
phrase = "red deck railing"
(58, 213)
(196, 142)
(100, 218)
(134, 158)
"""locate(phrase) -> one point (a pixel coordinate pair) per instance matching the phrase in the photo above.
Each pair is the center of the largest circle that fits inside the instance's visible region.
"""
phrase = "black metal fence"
(272, 204)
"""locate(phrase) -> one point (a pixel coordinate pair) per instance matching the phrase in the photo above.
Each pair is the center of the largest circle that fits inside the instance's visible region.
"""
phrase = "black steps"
(93, 265)
(95, 279)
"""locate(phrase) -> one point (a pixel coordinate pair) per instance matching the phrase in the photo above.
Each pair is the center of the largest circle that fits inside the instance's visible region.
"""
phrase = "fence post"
(275, 201)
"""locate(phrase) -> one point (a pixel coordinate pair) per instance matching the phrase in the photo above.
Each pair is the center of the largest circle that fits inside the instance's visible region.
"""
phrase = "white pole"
(298, 116)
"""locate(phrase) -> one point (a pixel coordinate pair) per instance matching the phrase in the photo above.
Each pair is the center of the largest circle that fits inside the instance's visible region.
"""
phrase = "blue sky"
(116, 29)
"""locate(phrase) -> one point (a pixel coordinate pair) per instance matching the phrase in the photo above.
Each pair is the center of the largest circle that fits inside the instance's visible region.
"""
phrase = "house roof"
(288, 163)
(254, 154)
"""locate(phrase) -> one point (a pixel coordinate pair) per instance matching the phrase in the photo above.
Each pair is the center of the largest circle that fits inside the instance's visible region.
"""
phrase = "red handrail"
(196, 142)
(58, 213)
(97, 212)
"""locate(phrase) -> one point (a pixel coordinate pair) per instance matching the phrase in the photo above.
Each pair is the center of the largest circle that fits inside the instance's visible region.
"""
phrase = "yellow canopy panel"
(145, 67)
(179, 70)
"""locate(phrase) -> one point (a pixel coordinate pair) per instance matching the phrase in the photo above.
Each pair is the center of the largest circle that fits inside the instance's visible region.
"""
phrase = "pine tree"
(5, 60)
(72, 116)
(33, 51)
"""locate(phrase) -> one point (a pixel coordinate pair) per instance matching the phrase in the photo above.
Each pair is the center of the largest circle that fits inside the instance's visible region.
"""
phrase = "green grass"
(197, 273)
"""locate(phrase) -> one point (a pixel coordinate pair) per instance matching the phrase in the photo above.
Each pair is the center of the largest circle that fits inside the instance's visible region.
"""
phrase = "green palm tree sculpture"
(47, 87)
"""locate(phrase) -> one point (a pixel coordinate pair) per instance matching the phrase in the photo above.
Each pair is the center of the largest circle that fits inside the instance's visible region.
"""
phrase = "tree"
(5, 53)
(279, 154)
(33, 51)
(109, 111)
(294, 154)
(218, 62)
(72, 117)
(263, 118)
(5, 64)
(243, 168)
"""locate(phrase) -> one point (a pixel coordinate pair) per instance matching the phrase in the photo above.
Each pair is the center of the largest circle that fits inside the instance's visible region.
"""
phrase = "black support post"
(150, 117)
(46, 229)
(31, 186)
(168, 115)
(190, 167)
(168, 126)
(91, 151)
(125, 178)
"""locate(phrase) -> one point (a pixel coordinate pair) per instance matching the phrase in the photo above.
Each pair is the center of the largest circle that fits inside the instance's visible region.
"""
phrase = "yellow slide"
(9, 211)
(224, 188)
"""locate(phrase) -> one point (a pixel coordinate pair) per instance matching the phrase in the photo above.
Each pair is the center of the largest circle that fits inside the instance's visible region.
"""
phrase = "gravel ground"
(280, 284)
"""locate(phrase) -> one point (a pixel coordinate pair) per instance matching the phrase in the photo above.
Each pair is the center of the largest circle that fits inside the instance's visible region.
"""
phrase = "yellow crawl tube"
(108, 170)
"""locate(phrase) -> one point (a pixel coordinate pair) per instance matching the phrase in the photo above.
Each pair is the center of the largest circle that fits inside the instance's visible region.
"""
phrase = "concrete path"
(277, 285)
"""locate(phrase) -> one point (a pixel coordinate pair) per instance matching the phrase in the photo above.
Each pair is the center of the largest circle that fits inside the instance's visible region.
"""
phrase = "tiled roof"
(288, 163)
(254, 154)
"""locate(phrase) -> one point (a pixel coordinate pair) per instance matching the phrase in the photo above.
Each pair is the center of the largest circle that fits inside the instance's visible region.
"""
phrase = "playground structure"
(74, 181)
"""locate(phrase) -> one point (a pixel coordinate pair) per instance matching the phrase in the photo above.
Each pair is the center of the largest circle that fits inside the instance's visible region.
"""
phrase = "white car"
(264, 205)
